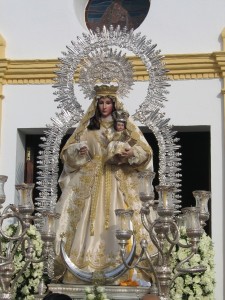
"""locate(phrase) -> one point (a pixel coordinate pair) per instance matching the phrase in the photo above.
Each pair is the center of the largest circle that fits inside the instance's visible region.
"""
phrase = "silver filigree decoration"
(92, 46)
(106, 66)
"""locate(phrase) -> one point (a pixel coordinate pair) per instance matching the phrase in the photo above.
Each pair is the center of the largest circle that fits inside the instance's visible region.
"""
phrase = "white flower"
(31, 230)
(191, 298)
(28, 281)
(195, 259)
(188, 291)
(194, 286)
(197, 289)
(29, 297)
(100, 289)
(9, 231)
(196, 279)
(90, 296)
(20, 279)
(177, 297)
(188, 280)
(103, 296)
(182, 254)
(95, 293)
(88, 290)
(27, 273)
(25, 290)
(179, 281)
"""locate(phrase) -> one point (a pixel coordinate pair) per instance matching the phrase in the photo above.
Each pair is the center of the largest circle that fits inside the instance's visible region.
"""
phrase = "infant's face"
(120, 126)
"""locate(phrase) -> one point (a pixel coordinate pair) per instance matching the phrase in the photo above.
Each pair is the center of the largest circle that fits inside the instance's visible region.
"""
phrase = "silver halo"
(106, 66)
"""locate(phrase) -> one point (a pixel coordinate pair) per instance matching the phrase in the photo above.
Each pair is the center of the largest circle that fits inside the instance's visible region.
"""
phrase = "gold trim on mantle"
(180, 66)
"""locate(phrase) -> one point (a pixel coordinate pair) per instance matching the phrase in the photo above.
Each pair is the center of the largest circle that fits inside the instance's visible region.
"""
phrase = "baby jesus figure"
(119, 140)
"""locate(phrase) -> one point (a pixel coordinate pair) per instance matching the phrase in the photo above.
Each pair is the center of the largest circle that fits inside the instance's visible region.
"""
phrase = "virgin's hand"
(83, 150)
(127, 153)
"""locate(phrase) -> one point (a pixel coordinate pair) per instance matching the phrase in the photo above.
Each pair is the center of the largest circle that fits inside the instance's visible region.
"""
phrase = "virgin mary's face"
(105, 106)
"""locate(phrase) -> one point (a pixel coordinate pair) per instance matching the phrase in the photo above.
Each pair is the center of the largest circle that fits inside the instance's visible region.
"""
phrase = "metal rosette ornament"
(97, 58)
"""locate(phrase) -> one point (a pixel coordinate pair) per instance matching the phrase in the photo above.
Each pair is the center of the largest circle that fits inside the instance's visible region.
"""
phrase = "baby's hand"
(127, 153)
(83, 150)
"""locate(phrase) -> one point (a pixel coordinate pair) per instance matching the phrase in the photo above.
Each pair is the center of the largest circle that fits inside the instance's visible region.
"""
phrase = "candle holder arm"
(146, 218)
(133, 265)
(154, 239)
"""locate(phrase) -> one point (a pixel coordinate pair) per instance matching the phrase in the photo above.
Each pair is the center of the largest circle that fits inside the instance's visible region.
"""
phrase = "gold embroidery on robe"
(90, 195)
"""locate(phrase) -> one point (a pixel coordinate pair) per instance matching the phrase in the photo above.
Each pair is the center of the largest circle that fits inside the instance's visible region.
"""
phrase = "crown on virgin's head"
(105, 90)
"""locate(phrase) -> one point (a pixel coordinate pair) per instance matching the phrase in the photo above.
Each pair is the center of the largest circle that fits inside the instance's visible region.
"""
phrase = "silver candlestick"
(165, 235)
(21, 217)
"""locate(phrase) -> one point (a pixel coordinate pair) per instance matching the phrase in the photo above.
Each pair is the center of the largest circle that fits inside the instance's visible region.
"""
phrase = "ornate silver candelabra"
(47, 229)
(164, 232)
(21, 217)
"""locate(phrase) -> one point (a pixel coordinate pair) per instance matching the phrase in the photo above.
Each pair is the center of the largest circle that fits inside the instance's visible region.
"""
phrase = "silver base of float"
(77, 292)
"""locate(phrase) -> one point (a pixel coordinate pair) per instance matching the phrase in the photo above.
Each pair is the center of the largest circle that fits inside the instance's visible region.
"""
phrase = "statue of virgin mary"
(93, 188)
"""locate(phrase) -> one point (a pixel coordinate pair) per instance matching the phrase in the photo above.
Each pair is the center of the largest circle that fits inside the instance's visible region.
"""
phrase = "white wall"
(23, 107)
(38, 29)
(199, 103)
(42, 29)
(180, 26)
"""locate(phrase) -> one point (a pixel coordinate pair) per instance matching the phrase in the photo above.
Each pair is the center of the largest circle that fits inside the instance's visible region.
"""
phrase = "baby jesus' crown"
(105, 90)
(120, 115)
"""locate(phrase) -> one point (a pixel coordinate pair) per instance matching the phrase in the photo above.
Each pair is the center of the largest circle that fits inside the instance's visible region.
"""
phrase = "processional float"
(100, 56)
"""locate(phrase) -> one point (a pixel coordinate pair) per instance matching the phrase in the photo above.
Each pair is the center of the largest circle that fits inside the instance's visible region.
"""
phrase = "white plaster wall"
(194, 103)
(180, 26)
(37, 29)
(23, 107)
(42, 29)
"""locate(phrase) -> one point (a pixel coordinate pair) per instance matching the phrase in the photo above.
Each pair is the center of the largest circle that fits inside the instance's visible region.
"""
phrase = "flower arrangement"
(197, 286)
(27, 284)
(95, 293)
